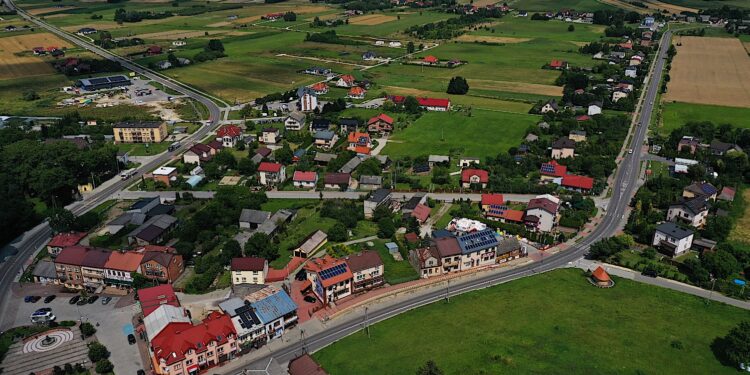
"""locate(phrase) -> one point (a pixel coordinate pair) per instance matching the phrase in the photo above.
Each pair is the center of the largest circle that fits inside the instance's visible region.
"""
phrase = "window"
(177, 366)
(210, 354)
(189, 362)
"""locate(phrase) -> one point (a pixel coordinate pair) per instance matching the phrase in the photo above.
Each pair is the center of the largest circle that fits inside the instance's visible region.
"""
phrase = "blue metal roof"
(273, 307)
(194, 180)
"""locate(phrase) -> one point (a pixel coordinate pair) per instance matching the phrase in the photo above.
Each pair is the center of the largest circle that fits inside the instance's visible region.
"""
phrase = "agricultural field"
(573, 328)
(710, 71)
(18, 60)
(546, 5)
(741, 230)
(703, 4)
(388, 24)
(676, 114)
(484, 133)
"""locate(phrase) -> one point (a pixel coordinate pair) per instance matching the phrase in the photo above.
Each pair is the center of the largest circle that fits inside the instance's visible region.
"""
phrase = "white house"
(595, 108)
(542, 213)
(229, 135)
(295, 121)
(305, 180)
(617, 95)
(249, 270)
(179, 43)
(367, 270)
(631, 72)
(550, 106)
(692, 211)
(269, 136)
(672, 239)
(308, 99)
(271, 173)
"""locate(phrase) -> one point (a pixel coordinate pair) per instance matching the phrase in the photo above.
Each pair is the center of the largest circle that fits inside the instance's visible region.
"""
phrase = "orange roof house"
(430, 59)
(600, 278)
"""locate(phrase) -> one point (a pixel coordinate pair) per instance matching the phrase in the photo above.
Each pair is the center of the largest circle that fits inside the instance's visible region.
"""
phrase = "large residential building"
(476, 177)
(542, 213)
(672, 239)
(120, 267)
(478, 249)
(330, 278)
(63, 240)
(164, 266)
(151, 298)
(367, 268)
(271, 174)
(140, 132)
(249, 270)
(275, 310)
(184, 348)
(229, 135)
(563, 148)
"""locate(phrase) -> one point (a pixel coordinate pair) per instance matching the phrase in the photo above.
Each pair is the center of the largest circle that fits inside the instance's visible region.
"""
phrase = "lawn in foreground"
(484, 133)
(676, 114)
(550, 323)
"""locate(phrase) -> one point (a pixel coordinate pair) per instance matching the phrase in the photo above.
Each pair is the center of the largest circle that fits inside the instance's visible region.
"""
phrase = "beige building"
(249, 270)
(140, 132)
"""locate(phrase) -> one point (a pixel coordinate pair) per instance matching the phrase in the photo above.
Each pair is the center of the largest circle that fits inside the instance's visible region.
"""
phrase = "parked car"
(310, 299)
(82, 301)
(49, 299)
(131, 339)
(141, 372)
(106, 300)
(74, 300)
(43, 309)
(93, 299)
(650, 272)
(31, 299)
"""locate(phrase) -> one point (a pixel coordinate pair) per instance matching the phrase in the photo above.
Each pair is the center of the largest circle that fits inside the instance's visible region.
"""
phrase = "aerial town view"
(374, 187)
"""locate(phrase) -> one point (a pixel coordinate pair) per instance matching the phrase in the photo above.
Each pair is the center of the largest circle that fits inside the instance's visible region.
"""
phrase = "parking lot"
(112, 325)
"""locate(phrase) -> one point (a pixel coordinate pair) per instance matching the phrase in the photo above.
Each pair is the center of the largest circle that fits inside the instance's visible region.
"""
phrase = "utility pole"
(713, 282)
(302, 338)
(367, 326)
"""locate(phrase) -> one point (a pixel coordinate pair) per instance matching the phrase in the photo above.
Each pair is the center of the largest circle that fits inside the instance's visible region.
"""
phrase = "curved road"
(34, 238)
(624, 188)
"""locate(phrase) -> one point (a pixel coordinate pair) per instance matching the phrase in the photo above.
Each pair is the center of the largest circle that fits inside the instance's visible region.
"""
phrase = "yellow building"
(140, 132)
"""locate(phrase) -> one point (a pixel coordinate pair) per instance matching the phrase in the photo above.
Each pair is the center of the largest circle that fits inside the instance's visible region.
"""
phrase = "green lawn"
(703, 4)
(676, 114)
(484, 133)
(524, 27)
(554, 323)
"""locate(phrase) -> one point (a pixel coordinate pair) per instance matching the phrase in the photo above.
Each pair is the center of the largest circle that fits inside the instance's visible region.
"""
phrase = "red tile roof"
(320, 86)
(348, 78)
(364, 150)
(356, 90)
(397, 99)
(582, 118)
(318, 265)
(302, 176)
(66, 239)
(600, 274)
(229, 131)
(434, 102)
(151, 298)
(128, 261)
(248, 264)
(556, 63)
(447, 246)
(513, 215)
(430, 59)
(411, 237)
(176, 339)
(354, 137)
(544, 204)
(421, 212)
(269, 167)
(305, 365)
(553, 169)
(364, 260)
(381, 117)
(492, 199)
(466, 175)
(578, 182)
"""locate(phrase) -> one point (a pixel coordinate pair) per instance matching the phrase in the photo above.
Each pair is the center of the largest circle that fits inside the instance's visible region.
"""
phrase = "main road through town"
(623, 188)
(34, 238)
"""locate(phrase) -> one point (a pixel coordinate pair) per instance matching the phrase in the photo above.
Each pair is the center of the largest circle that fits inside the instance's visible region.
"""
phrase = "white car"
(630, 151)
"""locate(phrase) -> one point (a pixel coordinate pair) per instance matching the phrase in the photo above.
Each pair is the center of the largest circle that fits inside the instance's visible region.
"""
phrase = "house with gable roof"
(330, 278)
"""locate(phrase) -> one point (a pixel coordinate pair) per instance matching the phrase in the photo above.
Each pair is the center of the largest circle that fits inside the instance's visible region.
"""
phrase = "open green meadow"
(554, 323)
(393, 23)
(676, 114)
(484, 133)
(524, 27)
(704, 4)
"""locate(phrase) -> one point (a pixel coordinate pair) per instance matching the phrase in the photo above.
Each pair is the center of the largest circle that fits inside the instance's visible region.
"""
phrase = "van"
(43, 317)
(127, 174)
(174, 146)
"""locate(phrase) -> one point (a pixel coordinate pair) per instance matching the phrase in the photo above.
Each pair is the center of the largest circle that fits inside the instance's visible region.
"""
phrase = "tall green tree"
(737, 344)
(458, 86)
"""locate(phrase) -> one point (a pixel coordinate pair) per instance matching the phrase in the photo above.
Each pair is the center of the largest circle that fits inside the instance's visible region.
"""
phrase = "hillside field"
(553, 323)
(677, 114)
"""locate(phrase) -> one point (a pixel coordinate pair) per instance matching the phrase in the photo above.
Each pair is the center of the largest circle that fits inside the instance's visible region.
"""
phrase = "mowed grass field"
(543, 5)
(484, 133)
(741, 230)
(678, 114)
(553, 323)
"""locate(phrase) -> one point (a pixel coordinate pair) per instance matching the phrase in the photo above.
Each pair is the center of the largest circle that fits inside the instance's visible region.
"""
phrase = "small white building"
(595, 109)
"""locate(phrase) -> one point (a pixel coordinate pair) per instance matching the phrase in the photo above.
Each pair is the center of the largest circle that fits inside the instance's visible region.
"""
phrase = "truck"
(127, 174)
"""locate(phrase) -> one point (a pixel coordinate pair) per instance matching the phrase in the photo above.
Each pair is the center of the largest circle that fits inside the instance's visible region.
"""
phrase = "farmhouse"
(229, 135)
(367, 182)
(252, 219)
(430, 60)
(86, 31)
(550, 106)
(337, 181)
(103, 83)
(305, 180)
(477, 177)
(271, 174)
(563, 148)
(434, 104)
(381, 124)
(345, 80)
(558, 64)
(356, 92)
(140, 132)
(294, 121)
(672, 239)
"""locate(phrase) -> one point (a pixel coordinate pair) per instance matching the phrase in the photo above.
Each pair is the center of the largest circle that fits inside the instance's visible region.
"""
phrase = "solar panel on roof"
(117, 79)
(97, 81)
(333, 271)
(548, 168)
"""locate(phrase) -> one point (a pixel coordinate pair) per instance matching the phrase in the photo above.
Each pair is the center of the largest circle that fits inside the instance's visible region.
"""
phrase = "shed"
(392, 247)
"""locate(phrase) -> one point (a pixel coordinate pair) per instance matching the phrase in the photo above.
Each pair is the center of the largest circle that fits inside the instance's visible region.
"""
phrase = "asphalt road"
(624, 187)
(26, 244)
